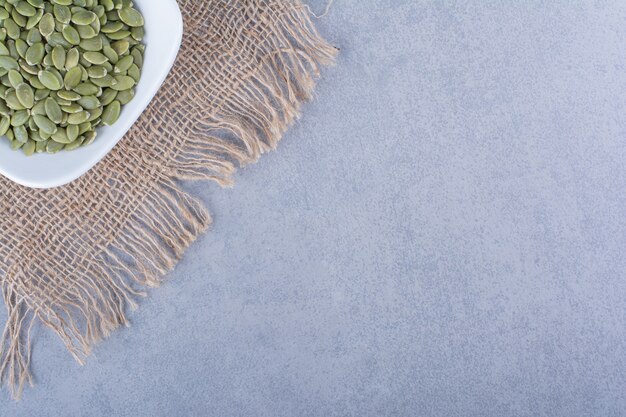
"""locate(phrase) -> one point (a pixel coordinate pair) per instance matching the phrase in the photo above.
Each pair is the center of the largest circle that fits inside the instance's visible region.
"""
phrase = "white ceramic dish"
(164, 30)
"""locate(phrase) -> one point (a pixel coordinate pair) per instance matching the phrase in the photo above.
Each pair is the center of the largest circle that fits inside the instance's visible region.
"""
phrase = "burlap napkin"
(76, 258)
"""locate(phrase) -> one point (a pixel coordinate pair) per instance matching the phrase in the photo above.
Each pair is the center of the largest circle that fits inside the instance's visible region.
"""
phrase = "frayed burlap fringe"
(77, 258)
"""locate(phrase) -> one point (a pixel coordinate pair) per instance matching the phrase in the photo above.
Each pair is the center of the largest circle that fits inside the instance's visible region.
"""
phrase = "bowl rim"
(91, 160)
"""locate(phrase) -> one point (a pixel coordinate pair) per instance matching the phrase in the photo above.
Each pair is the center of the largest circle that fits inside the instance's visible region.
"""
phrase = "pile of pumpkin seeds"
(66, 68)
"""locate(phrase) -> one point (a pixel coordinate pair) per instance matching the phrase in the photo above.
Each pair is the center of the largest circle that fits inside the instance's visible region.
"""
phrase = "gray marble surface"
(442, 234)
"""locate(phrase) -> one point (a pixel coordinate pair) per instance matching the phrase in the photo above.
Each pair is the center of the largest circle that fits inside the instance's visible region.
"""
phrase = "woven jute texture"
(77, 258)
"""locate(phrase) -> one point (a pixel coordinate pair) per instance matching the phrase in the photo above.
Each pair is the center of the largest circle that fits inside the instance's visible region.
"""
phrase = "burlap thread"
(78, 257)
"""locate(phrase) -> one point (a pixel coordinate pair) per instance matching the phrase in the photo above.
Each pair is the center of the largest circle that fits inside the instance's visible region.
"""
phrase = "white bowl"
(164, 30)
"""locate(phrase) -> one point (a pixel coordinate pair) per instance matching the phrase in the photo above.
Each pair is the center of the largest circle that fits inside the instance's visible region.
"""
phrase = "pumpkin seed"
(130, 16)
(25, 95)
(86, 89)
(111, 113)
(21, 134)
(72, 78)
(71, 58)
(69, 95)
(62, 13)
(29, 147)
(20, 118)
(53, 110)
(46, 25)
(78, 118)
(24, 8)
(15, 78)
(123, 82)
(95, 58)
(35, 54)
(58, 57)
(54, 147)
(45, 124)
(124, 64)
(71, 35)
(8, 62)
(5, 123)
(49, 80)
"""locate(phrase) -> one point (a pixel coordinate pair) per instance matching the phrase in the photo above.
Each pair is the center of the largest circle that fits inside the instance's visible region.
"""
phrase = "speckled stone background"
(442, 234)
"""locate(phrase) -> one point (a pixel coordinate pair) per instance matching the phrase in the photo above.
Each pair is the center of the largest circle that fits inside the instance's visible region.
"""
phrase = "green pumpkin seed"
(72, 78)
(72, 108)
(58, 57)
(5, 123)
(78, 118)
(91, 45)
(40, 146)
(90, 136)
(21, 47)
(71, 35)
(108, 95)
(124, 97)
(96, 71)
(15, 145)
(83, 17)
(119, 35)
(4, 50)
(86, 89)
(46, 25)
(13, 30)
(120, 47)
(95, 58)
(8, 62)
(68, 95)
(15, 78)
(137, 33)
(21, 134)
(71, 58)
(45, 124)
(33, 37)
(25, 95)
(53, 110)
(73, 146)
(35, 54)
(5, 110)
(29, 69)
(54, 147)
(49, 80)
(29, 147)
(111, 113)
(20, 118)
(18, 18)
(89, 102)
(62, 13)
(72, 132)
(111, 27)
(106, 81)
(24, 8)
(123, 82)
(123, 64)
(110, 54)
(131, 17)
(86, 32)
